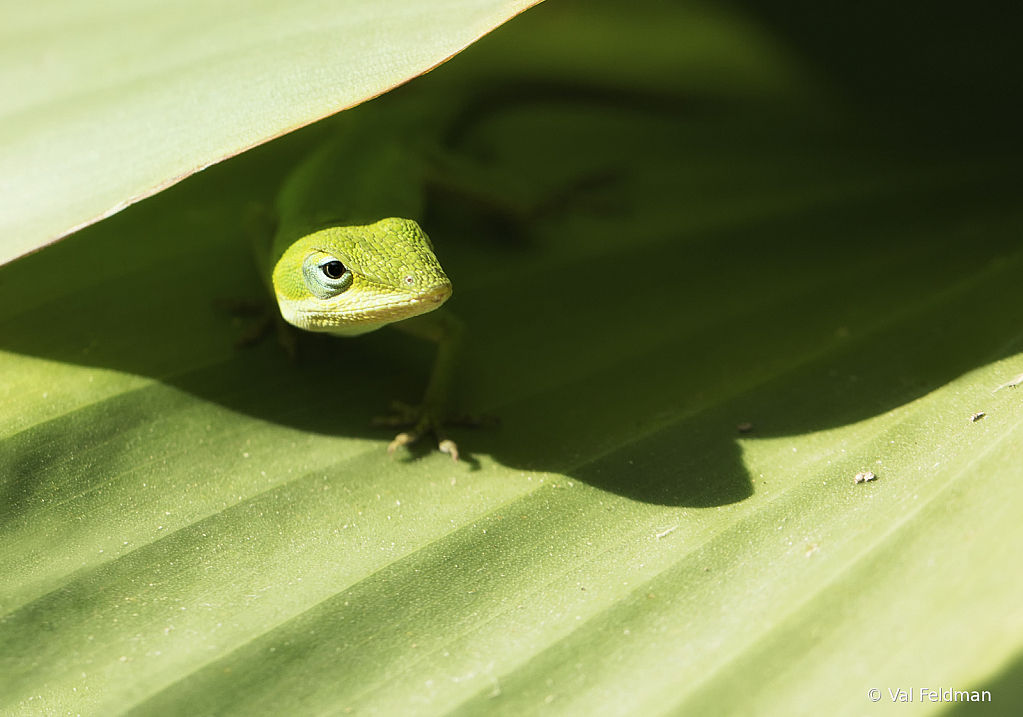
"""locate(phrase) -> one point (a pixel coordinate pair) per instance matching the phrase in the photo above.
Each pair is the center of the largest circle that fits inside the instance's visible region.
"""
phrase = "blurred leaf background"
(810, 223)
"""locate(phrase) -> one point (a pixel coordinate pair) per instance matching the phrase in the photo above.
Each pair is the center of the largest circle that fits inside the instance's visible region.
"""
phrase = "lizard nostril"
(410, 280)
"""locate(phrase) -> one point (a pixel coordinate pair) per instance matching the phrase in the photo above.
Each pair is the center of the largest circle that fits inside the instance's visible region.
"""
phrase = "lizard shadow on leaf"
(620, 351)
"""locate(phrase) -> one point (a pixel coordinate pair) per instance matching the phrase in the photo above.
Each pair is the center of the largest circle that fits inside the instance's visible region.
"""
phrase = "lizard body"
(347, 255)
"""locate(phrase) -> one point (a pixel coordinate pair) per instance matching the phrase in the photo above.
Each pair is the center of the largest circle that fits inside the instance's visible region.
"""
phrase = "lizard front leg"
(447, 331)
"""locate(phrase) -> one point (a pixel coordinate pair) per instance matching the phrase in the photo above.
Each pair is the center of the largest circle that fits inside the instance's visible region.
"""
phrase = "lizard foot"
(261, 320)
(403, 439)
(423, 421)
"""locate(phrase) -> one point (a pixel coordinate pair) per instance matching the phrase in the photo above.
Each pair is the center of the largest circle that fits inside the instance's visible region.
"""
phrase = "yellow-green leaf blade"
(104, 103)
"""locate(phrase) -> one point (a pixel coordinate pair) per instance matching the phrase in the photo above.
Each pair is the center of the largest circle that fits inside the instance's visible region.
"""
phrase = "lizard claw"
(402, 439)
(445, 445)
(448, 446)
(423, 422)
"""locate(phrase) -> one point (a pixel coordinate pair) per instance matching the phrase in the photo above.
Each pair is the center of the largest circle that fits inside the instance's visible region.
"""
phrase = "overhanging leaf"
(105, 103)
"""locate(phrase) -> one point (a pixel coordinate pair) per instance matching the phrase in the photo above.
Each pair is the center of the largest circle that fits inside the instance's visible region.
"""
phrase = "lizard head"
(354, 279)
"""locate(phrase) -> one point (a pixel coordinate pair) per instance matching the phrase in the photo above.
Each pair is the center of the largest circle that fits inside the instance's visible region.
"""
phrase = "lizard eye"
(325, 276)
(333, 269)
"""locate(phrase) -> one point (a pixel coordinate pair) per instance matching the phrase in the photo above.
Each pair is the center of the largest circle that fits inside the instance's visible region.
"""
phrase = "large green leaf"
(106, 102)
(188, 528)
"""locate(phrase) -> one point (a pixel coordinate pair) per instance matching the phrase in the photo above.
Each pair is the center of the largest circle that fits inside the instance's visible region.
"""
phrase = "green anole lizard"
(343, 252)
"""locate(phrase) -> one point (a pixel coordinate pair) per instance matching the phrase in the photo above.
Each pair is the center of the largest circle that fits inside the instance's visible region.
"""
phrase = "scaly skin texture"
(390, 274)
(347, 255)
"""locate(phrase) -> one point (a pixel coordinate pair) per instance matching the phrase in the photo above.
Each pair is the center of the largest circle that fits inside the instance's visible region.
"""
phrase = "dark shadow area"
(868, 285)
(944, 71)
(1006, 690)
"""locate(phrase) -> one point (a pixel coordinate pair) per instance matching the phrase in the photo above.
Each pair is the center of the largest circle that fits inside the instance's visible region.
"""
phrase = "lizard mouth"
(433, 298)
(369, 313)
(399, 307)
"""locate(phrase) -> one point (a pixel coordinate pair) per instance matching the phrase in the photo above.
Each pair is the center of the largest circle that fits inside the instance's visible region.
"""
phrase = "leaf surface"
(104, 103)
(691, 363)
